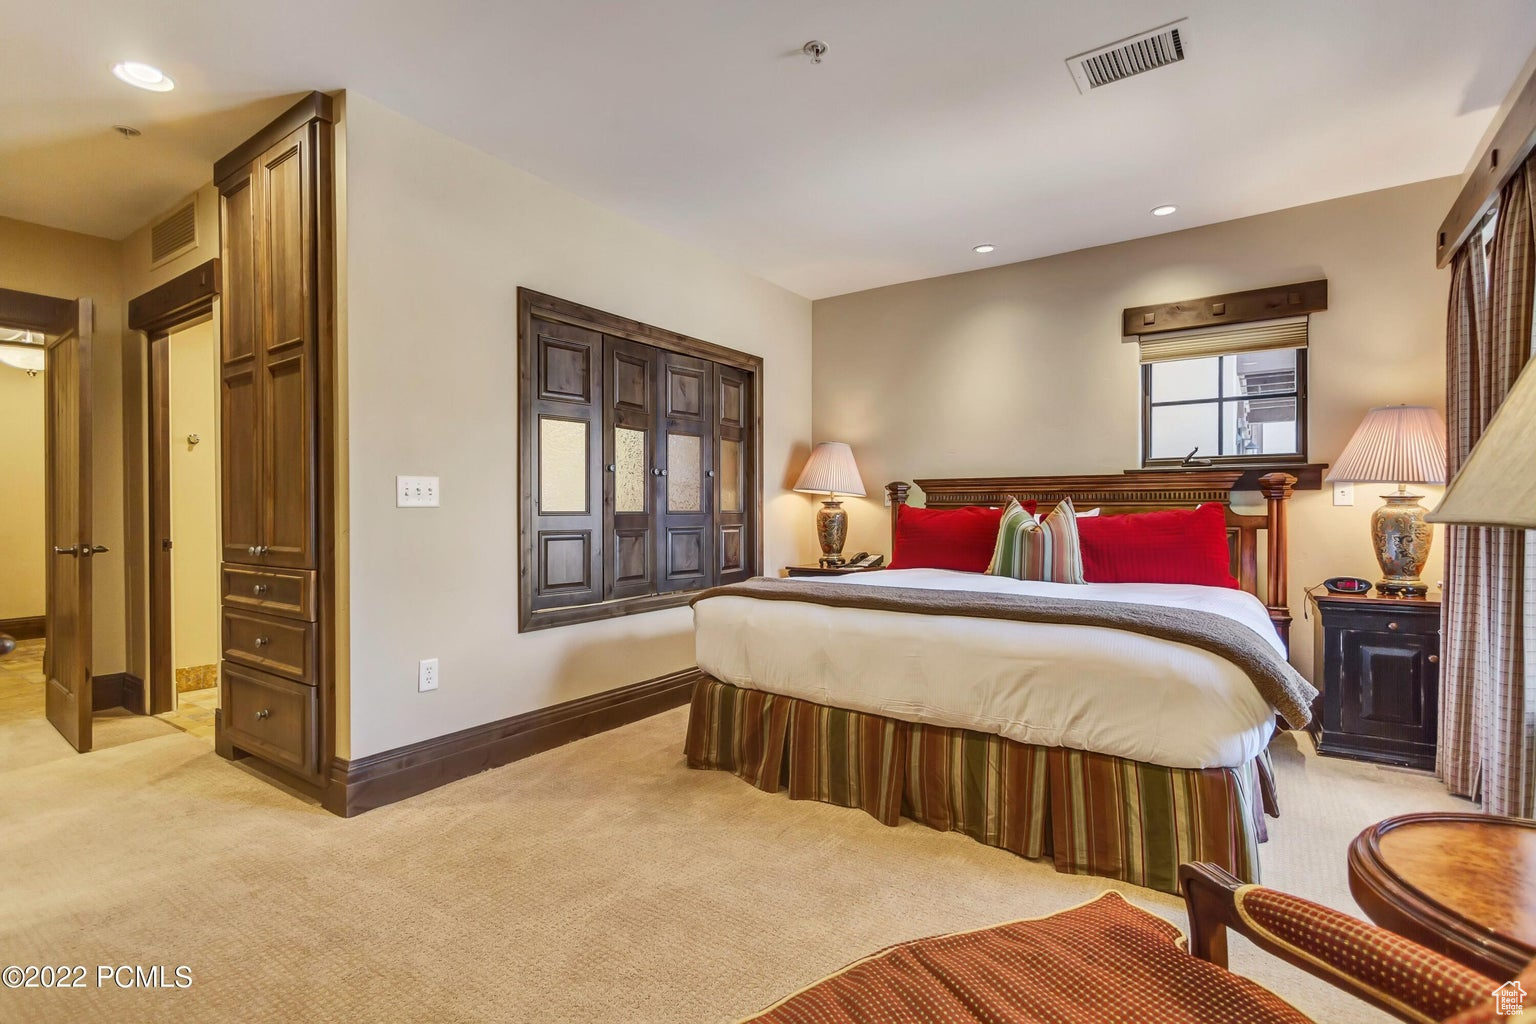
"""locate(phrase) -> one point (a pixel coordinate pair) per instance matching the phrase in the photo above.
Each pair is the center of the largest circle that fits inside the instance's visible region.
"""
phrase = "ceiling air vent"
(175, 234)
(1146, 51)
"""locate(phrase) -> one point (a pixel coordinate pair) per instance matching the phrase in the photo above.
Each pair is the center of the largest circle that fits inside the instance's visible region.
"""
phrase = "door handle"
(72, 551)
(87, 550)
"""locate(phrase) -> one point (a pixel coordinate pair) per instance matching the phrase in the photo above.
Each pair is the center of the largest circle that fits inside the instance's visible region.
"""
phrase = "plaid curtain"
(1488, 686)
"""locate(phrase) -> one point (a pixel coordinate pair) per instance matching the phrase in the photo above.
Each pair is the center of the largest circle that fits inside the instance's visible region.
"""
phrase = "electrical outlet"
(416, 492)
(1343, 494)
(426, 675)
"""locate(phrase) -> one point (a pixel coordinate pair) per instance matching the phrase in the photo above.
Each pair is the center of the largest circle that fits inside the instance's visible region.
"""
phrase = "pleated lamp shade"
(1395, 444)
(1496, 485)
(831, 470)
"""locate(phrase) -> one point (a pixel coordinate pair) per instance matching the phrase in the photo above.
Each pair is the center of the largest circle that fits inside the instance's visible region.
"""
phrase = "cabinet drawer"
(286, 592)
(271, 717)
(1419, 620)
(284, 646)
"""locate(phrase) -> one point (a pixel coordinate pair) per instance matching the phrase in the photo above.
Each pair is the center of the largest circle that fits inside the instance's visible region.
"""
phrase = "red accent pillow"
(1174, 546)
(947, 538)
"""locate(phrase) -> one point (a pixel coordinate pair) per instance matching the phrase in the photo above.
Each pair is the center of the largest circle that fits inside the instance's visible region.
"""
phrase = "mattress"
(1088, 687)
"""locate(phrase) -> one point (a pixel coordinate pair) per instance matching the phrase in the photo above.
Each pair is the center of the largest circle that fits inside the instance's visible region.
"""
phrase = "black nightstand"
(827, 570)
(1377, 662)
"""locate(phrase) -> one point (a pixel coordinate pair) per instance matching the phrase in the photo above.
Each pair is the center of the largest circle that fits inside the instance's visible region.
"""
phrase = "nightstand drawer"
(1412, 619)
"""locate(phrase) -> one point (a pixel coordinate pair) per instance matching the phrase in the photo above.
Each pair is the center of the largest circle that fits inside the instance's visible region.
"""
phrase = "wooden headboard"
(1145, 492)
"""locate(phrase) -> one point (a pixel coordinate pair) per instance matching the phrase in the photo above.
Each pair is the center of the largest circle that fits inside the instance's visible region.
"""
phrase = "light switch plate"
(416, 492)
(1343, 494)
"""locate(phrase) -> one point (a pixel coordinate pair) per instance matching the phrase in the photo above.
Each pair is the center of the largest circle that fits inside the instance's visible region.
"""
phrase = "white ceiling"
(931, 126)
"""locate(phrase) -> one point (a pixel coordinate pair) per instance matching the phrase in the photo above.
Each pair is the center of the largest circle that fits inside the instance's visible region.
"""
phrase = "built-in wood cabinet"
(640, 464)
(277, 363)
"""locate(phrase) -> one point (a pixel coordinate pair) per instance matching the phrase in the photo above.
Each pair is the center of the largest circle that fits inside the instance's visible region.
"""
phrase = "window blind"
(1265, 335)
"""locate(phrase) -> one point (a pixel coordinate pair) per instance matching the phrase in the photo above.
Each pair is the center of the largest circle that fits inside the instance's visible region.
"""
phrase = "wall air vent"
(175, 234)
(1146, 51)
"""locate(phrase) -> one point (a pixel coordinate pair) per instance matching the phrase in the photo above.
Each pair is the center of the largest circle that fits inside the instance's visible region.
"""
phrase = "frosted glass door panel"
(731, 484)
(685, 473)
(562, 465)
(629, 470)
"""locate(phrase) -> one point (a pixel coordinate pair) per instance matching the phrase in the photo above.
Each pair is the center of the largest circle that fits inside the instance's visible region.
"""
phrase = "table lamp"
(1397, 444)
(831, 471)
(1496, 485)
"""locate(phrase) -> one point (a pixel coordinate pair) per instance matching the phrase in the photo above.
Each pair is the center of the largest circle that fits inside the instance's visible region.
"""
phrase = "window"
(1228, 394)
(639, 459)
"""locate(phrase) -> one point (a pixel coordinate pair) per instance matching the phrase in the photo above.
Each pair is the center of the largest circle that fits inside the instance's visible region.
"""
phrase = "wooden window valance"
(1283, 301)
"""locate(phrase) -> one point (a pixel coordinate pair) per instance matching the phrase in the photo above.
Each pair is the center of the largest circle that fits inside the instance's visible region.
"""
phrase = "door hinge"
(165, 544)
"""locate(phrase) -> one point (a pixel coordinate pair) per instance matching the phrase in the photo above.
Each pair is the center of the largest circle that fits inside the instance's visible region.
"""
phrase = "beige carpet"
(599, 882)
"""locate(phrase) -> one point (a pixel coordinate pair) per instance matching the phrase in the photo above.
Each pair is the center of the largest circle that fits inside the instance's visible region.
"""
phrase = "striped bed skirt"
(1093, 814)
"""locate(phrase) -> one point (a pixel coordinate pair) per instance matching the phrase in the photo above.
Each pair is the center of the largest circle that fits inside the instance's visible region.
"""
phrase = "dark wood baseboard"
(117, 690)
(380, 779)
(32, 627)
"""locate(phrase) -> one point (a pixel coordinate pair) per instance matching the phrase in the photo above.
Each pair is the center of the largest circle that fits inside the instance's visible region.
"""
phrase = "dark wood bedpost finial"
(1276, 488)
(896, 496)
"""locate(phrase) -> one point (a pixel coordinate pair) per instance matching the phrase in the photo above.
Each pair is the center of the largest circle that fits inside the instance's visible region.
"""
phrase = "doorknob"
(72, 551)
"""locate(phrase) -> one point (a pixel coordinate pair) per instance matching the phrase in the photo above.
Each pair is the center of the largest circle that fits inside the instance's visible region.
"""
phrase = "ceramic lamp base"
(831, 531)
(1402, 539)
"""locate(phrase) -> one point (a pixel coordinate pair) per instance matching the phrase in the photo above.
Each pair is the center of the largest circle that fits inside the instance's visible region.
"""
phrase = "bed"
(1113, 751)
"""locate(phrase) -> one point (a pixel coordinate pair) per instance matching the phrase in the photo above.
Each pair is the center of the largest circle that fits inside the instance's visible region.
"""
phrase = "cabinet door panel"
(630, 467)
(685, 453)
(1385, 682)
(735, 477)
(564, 421)
(239, 434)
(288, 407)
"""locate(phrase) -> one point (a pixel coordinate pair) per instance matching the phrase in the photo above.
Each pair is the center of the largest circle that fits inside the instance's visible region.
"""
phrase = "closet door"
(240, 434)
(630, 465)
(286, 329)
(685, 460)
(735, 476)
(567, 477)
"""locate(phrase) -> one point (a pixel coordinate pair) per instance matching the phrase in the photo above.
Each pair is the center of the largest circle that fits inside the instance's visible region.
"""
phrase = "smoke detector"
(1145, 51)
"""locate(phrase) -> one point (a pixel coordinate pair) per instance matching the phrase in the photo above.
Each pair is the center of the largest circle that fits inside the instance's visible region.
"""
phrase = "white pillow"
(1090, 514)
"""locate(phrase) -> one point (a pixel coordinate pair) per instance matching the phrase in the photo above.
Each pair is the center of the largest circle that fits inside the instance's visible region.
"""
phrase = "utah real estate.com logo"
(1508, 999)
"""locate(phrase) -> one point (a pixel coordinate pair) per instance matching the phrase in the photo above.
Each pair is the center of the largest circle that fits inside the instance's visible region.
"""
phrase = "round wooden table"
(1461, 884)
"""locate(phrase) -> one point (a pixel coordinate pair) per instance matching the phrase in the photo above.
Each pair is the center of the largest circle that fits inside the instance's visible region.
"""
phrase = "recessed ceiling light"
(983, 247)
(1164, 210)
(143, 76)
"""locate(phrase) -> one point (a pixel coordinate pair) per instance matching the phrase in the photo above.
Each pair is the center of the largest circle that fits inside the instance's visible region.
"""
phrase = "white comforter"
(1087, 687)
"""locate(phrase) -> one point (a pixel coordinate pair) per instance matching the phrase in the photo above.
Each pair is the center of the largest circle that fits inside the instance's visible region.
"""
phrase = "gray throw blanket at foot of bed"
(1274, 678)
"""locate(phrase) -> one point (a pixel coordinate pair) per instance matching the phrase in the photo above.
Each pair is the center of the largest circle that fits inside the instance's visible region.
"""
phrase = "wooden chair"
(1381, 967)
(1108, 961)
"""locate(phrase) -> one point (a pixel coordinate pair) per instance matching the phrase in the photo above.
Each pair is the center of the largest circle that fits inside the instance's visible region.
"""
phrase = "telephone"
(865, 560)
(1347, 585)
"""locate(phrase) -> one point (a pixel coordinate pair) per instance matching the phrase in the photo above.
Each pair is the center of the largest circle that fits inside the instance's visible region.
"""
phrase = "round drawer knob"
(250, 550)
(264, 713)
(1434, 659)
(1392, 625)
(262, 641)
(259, 589)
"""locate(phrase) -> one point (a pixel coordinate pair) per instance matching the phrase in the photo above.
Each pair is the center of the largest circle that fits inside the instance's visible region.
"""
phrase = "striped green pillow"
(1046, 549)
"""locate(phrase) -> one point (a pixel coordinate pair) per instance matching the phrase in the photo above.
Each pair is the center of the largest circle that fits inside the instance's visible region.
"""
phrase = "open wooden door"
(67, 372)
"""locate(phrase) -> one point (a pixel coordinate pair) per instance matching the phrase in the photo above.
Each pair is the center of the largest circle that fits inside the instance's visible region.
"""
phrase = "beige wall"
(23, 591)
(194, 374)
(1020, 369)
(439, 237)
(34, 258)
